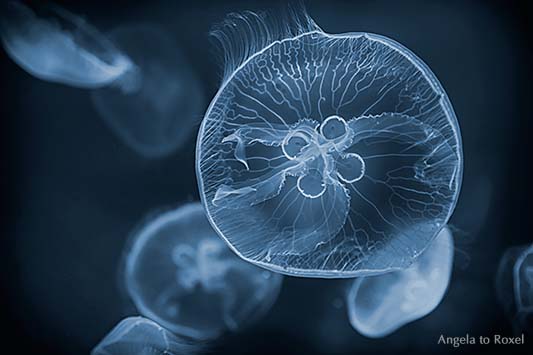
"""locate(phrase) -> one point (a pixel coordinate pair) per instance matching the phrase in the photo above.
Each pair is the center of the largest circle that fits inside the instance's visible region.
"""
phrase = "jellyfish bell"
(326, 155)
(138, 335)
(178, 272)
(379, 305)
(514, 286)
(504, 280)
(143, 87)
(144, 90)
(61, 47)
(523, 276)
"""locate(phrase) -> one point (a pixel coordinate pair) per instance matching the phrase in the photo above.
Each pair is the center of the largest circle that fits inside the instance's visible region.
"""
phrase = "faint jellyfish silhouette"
(514, 286)
(145, 90)
(158, 115)
(180, 273)
(379, 305)
(63, 48)
(326, 155)
(138, 335)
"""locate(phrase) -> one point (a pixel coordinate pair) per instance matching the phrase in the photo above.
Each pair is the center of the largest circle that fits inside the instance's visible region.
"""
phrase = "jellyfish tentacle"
(255, 191)
(267, 135)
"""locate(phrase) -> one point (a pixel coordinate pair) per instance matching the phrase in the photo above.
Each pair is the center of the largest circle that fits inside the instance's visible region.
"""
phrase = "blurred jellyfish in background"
(179, 273)
(379, 305)
(144, 88)
(157, 115)
(514, 286)
(138, 335)
(326, 155)
(63, 48)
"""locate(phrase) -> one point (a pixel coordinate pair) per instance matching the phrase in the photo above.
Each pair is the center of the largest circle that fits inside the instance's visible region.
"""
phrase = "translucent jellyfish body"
(326, 155)
(514, 285)
(61, 47)
(158, 116)
(179, 273)
(138, 335)
(379, 305)
(143, 86)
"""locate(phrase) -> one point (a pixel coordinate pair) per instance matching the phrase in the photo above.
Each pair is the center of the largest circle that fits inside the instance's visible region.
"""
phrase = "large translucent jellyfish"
(514, 286)
(138, 335)
(61, 47)
(379, 305)
(326, 155)
(179, 273)
(157, 117)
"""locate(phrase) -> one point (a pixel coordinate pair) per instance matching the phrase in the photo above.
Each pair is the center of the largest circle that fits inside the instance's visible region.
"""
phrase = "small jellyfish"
(379, 305)
(514, 286)
(179, 273)
(61, 47)
(158, 115)
(326, 155)
(138, 335)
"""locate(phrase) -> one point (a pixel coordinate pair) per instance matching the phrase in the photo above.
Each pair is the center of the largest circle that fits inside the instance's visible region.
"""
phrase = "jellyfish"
(138, 335)
(514, 286)
(378, 305)
(141, 83)
(158, 116)
(326, 155)
(178, 272)
(63, 48)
